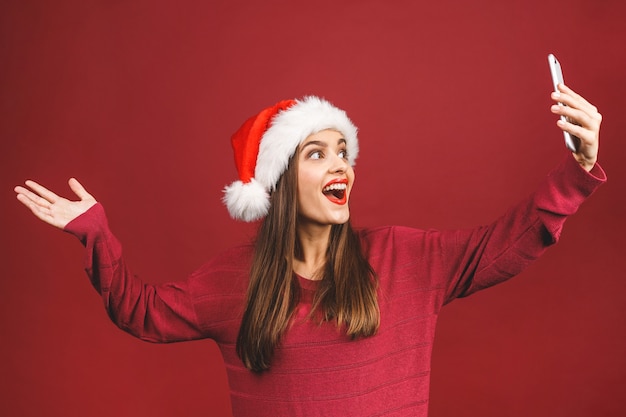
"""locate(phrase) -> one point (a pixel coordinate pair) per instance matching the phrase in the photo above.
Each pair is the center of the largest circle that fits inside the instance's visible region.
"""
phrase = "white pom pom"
(247, 202)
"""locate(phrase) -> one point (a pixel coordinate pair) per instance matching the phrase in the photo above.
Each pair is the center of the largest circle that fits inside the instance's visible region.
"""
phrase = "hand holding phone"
(557, 78)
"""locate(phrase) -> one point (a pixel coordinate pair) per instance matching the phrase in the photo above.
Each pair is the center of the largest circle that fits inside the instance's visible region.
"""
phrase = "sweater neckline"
(307, 284)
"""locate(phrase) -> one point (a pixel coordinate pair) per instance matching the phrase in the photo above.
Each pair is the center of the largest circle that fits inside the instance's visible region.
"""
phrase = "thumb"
(78, 189)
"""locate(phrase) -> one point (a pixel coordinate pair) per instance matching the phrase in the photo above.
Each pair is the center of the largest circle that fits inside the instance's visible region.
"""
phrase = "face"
(325, 179)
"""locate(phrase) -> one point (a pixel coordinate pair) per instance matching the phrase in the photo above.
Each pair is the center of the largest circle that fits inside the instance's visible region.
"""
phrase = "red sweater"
(317, 370)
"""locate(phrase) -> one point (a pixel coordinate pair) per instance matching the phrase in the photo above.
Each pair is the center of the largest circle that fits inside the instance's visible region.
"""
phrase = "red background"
(137, 99)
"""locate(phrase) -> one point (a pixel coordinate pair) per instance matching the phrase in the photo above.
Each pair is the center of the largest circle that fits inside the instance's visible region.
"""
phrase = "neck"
(314, 244)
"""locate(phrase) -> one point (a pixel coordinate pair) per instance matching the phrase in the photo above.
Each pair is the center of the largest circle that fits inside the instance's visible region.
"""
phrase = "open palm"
(51, 208)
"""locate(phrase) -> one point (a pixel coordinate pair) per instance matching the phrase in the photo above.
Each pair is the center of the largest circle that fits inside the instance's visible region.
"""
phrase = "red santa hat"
(264, 144)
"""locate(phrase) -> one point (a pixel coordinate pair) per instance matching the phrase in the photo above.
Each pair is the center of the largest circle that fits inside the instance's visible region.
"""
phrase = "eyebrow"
(321, 143)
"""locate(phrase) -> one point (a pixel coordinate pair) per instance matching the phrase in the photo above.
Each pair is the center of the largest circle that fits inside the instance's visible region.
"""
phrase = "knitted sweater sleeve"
(481, 257)
(163, 313)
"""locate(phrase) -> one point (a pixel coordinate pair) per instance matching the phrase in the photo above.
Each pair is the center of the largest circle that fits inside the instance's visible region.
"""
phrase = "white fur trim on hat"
(291, 127)
(247, 202)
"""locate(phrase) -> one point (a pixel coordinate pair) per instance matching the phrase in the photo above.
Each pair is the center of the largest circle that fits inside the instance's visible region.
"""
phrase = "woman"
(315, 318)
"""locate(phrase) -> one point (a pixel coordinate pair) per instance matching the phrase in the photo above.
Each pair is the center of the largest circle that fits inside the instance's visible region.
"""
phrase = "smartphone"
(557, 78)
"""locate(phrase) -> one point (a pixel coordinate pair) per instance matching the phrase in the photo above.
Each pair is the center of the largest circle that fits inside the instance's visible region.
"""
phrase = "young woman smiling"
(315, 318)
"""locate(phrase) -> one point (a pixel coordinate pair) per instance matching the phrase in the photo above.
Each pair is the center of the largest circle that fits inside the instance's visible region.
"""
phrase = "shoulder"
(391, 234)
(228, 271)
(390, 240)
(233, 259)
(397, 242)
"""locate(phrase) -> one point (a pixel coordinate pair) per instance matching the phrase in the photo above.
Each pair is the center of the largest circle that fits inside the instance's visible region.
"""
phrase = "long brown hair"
(346, 294)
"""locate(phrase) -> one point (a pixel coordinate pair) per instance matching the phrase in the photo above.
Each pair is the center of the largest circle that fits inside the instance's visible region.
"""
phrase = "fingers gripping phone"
(557, 78)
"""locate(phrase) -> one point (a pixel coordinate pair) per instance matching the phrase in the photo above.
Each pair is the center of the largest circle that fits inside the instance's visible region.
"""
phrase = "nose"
(338, 164)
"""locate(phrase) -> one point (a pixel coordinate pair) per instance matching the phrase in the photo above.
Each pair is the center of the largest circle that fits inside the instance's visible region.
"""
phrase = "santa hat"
(264, 144)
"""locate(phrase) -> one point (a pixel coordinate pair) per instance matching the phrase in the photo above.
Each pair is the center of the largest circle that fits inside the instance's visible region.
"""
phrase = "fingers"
(578, 123)
(581, 119)
(576, 100)
(578, 117)
(576, 130)
(39, 202)
(28, 198)
(578, 110)
(42, 191)
(37, 205)
(78, 189)
(571, 99)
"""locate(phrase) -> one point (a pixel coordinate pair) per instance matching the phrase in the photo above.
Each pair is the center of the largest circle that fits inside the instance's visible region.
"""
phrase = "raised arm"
(51, 208)
(155, 313)
(487, 255)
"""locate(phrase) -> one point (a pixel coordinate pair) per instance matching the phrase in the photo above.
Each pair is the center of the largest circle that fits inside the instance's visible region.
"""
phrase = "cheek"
(304, 191)
(307, 183)
(351, 177)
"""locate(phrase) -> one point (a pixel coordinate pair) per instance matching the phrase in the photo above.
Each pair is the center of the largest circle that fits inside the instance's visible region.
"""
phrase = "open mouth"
(336, 192)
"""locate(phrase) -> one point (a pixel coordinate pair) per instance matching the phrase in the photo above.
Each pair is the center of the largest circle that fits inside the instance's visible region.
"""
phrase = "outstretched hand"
(583, 122)
(51, 208)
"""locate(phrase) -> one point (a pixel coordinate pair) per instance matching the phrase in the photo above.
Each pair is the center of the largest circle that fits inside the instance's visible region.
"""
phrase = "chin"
(341, 218)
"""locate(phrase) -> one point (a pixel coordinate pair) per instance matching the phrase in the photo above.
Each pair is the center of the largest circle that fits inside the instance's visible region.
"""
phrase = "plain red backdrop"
(138, 99)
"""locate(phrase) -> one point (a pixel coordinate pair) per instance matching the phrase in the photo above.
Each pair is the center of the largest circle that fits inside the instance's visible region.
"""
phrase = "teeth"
(333, 187)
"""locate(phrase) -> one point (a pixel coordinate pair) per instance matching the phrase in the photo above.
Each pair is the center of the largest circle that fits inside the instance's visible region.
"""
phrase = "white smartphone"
(557, 78)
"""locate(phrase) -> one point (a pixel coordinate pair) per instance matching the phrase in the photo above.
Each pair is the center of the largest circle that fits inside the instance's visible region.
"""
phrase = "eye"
(343, 154)
(316, 155)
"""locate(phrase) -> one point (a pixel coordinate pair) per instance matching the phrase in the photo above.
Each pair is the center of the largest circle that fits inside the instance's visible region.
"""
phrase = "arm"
(162, 313)
(479, 258)
(487, 255)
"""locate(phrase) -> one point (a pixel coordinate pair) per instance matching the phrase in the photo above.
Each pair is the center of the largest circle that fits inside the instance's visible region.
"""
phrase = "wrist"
(586, 163)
